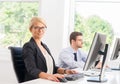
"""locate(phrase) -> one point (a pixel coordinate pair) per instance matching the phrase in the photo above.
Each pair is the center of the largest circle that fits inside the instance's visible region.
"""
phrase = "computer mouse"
(62, 79)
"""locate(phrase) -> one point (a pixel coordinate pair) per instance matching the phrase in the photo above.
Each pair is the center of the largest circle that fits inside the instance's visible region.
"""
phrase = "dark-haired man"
(73, 57)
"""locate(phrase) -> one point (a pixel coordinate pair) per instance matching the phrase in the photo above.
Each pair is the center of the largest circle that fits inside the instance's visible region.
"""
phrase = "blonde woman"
(37, 57)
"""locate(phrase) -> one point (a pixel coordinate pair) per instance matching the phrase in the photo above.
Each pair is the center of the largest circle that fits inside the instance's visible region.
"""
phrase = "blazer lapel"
(39, 53)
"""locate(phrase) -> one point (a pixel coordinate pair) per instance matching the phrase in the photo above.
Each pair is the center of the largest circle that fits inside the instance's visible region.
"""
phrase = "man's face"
(79, 41)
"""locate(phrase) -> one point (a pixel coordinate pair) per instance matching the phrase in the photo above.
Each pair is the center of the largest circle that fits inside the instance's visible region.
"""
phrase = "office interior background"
(62, 17)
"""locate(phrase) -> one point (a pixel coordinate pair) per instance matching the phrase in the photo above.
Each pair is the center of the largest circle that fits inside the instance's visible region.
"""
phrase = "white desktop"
(113, 77)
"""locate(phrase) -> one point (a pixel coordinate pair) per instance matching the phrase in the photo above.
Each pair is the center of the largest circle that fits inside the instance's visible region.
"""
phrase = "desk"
(113, 77)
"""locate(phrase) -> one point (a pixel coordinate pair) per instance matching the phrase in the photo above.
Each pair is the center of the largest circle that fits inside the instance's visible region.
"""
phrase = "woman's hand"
(52, 77)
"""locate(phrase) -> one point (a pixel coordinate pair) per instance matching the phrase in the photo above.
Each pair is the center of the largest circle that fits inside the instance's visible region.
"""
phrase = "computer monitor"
(116, 52)
(116, 49)
(98, 48)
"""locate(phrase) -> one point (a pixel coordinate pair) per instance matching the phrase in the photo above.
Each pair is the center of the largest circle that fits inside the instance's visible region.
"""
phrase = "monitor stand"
(116, 69)
(101, 77)
(96, 79)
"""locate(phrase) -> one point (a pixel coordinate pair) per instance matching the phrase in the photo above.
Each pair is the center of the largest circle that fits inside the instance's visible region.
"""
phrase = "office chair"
(18, 63)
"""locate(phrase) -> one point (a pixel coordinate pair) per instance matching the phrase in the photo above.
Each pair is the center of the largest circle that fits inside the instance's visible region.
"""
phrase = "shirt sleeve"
(84, 56)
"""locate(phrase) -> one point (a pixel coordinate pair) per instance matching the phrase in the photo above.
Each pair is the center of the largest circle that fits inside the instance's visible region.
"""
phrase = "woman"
(37, 57)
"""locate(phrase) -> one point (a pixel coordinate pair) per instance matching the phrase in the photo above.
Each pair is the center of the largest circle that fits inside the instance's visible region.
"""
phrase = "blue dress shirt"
(66, 58)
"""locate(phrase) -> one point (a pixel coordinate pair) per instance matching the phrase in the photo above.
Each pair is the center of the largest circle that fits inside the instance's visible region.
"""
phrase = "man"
(72, 57)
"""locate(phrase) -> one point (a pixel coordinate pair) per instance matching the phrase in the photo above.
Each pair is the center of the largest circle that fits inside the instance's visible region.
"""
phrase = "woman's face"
(38, 30)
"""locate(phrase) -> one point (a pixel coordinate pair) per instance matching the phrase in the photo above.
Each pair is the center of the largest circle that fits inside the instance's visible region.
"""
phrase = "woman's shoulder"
(28, 45)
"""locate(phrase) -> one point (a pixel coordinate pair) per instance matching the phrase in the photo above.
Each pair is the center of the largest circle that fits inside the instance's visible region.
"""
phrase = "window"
(14, 22)
(97, 16)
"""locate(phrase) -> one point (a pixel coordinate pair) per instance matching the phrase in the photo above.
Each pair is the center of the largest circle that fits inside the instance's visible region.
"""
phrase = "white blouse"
(49, 62)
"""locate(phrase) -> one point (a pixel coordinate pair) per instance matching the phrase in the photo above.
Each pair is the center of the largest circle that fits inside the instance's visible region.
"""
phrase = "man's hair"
(73, 35)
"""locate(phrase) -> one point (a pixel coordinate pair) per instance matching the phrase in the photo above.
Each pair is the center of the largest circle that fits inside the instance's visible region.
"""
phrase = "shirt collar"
(72, 50)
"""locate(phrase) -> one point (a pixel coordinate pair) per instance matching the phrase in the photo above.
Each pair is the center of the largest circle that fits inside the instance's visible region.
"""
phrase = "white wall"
(57, 15)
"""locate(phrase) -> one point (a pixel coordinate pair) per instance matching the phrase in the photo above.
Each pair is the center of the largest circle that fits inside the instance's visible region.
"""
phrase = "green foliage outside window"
(14, 22)
(88, 26)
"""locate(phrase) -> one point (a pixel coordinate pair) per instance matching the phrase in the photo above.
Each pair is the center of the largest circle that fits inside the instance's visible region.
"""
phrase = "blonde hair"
(35, 20)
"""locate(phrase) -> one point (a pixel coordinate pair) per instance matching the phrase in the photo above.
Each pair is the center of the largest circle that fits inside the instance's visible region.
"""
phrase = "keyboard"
(72, 77)
(98, 70)
(91, 73)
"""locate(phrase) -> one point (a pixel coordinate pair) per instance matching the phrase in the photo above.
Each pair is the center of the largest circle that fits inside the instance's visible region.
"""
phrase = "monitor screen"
(98, 45)
(116, 49)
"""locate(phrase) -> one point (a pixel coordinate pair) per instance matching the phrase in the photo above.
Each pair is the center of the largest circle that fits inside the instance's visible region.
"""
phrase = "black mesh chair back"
(18, 63)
